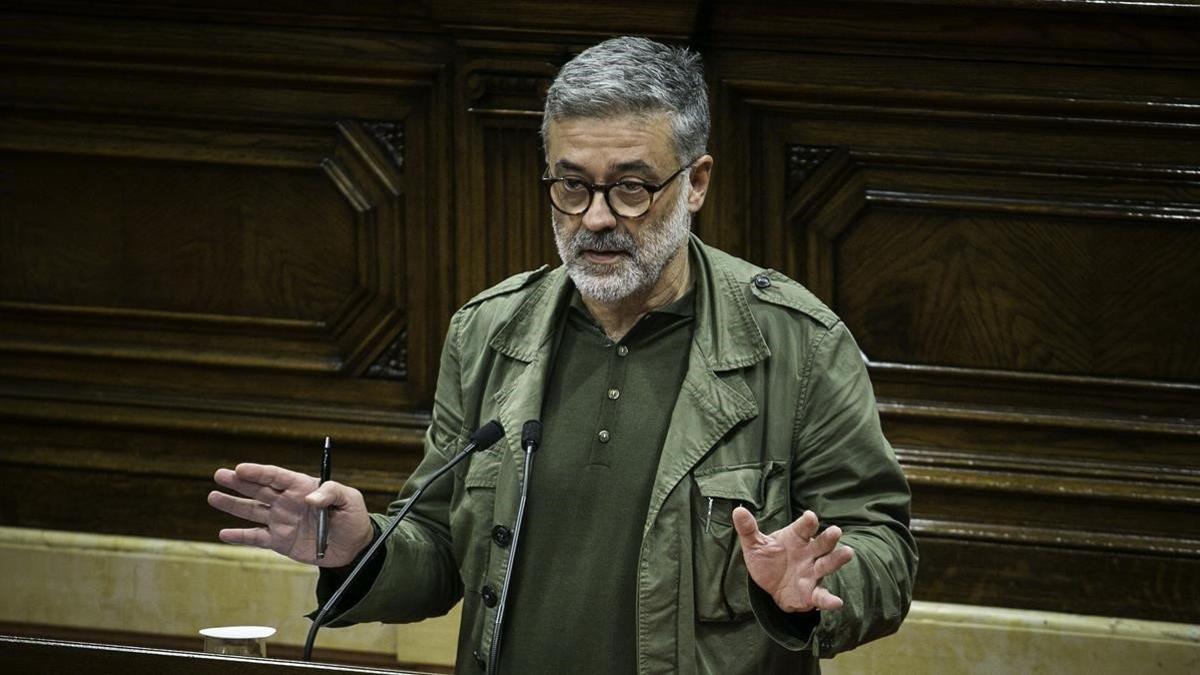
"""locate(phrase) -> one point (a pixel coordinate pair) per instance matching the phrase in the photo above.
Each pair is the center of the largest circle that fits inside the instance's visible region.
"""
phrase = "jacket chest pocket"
(719, 570)
(471, 516)
(471, 521)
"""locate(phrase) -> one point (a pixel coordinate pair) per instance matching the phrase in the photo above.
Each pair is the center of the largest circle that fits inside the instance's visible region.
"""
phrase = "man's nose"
(598, 216)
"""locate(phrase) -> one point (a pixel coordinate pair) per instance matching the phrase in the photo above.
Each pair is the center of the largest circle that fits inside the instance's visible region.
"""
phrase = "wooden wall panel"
(504, 211)
(227, 231)
(1017, 266)
(220, 238)
(998, 289)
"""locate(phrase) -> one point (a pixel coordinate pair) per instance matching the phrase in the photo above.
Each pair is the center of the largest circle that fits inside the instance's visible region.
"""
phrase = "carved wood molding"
(839, 189)
(365, 170)
(802, 160)
(1105, 542)
(390, 136)
(267, 419)
(806, 163)
(392, 364)
(1030, 108)
(1035, 479)
(506, 89)
(367, 173)
(1058, 450)
(1146, 425)
(1073, 30)
(1109, 472)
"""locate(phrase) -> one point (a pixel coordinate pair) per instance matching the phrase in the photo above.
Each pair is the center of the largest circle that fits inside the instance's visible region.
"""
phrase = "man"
(692, 403)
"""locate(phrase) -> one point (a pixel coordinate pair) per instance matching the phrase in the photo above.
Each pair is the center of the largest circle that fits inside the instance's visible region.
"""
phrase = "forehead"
(598, 144)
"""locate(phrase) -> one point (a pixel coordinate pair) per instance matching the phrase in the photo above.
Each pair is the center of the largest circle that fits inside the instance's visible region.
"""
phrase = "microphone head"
(487, 435)
(531, 434)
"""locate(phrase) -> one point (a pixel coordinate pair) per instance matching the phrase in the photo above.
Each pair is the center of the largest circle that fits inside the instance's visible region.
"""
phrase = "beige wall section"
(948, 639)
(176, 588)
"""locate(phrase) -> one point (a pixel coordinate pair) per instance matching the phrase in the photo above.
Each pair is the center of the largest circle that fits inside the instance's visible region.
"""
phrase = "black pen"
(323, 515)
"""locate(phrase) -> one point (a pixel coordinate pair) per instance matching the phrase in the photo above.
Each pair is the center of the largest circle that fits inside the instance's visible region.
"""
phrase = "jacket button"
(761, 281)
(489, 596)
(604, 435)
(501, 535)
(479, 660)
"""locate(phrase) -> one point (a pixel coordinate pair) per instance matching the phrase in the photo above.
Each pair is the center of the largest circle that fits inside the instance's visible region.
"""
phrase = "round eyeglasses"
(629, 198)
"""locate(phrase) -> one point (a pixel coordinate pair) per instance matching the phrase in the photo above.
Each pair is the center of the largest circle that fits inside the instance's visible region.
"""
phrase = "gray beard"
(640, 270)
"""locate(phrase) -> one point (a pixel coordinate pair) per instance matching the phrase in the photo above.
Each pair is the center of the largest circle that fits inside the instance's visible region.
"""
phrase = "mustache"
(609, 241)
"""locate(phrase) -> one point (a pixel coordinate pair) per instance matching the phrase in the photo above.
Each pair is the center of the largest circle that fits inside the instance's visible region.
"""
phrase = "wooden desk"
(33, 655)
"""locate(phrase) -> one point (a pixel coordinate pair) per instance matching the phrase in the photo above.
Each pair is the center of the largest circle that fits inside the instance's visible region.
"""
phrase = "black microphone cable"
(531, 438)
(484, 438)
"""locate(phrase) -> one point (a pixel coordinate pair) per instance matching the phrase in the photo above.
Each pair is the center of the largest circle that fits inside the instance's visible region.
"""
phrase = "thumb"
(327, 495)
(747, 527)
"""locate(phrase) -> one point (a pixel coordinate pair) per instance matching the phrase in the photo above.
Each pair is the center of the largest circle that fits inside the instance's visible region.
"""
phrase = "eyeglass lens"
(573, 196)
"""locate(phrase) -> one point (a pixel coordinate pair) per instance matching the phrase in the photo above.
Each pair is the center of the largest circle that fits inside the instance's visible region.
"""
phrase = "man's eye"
(574, 184)
(630, 186)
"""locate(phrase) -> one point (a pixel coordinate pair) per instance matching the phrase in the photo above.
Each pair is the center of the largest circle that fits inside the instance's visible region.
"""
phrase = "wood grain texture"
(1019, 266)
(23, 654)
(227, 231)
(506, 215)
(194, 643)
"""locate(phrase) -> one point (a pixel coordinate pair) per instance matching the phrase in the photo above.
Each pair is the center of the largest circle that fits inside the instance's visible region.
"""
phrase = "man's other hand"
(285, 504)
(790, 563)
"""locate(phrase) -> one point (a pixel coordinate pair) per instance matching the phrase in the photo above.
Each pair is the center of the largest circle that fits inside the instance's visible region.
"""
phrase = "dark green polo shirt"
(607, 407)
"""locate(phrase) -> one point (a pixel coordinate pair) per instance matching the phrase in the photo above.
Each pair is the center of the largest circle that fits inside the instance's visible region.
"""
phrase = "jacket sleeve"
(846, 472)
(418, 576)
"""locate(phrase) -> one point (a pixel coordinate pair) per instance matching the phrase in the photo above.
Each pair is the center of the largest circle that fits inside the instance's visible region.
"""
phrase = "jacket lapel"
(528, 339)
(714, 397)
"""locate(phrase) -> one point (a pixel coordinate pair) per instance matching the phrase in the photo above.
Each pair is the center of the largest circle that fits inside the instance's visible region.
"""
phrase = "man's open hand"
(285, 504)
(790, 563)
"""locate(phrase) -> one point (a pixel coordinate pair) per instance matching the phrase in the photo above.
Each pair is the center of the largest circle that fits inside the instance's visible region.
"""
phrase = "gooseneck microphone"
(531, 438)
(483, 438)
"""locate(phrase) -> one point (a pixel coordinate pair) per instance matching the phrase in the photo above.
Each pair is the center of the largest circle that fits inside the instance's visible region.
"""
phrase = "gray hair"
(633, 75)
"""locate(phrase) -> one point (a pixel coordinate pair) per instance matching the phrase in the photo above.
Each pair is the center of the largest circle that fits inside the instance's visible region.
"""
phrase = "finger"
(226, 478)
(803, 527)
(274, 477)
(250, 536)
(247, 509)
(330, 494)
(823, 599)
(826, 541)
(747, 528)
(828, 564)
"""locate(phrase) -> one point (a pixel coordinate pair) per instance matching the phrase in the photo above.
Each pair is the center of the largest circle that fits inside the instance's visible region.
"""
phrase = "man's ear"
(699, 178)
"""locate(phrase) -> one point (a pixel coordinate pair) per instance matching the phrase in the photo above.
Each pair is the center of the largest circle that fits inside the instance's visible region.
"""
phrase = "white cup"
(237, 640)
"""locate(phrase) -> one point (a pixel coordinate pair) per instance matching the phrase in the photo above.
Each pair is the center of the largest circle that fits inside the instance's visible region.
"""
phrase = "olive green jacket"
(775, 412)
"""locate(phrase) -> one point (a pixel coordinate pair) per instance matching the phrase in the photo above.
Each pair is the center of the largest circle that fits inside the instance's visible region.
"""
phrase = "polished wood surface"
(227, 231)
(195, 643)
(35, 655)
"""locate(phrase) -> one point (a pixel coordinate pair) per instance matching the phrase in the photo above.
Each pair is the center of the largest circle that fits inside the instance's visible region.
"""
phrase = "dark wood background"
(228, 229)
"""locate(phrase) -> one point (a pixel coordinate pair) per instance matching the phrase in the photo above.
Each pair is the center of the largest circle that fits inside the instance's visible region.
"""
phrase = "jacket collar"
(532, 324)
(726, 335)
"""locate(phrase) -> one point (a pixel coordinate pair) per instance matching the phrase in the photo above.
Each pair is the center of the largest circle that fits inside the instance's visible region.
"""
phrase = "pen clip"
(708, 516)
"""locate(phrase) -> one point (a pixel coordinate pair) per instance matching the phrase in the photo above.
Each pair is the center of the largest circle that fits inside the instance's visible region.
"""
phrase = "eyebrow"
(635, 165)
(568, 165)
